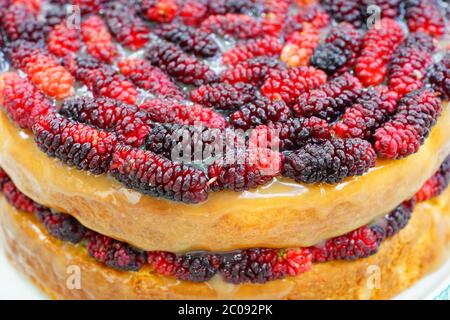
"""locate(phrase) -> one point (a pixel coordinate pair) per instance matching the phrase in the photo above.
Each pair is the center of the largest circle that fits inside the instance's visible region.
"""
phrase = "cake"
(224, 149)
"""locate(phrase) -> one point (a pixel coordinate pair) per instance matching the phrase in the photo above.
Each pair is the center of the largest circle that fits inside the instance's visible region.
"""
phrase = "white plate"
(13, 285)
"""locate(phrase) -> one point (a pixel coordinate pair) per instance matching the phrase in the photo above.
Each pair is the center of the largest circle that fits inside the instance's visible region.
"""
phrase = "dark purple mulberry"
(329, 161)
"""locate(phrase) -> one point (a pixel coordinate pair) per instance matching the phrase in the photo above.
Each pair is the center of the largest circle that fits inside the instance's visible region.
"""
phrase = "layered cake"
(224, 149)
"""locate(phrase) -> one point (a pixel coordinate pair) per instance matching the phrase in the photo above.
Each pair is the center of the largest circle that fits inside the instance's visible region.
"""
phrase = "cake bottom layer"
(65, 271)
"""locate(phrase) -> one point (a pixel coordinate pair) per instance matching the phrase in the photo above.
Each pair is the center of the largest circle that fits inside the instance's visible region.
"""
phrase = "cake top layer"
(178, 99)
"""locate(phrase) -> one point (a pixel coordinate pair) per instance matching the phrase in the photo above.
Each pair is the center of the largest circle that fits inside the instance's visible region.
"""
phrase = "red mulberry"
(188, 267)
(329, 161)
(73, 143)
(403, 134)
(368, 113)
(239, 26)
(437, 184)
(388, 8)
(252, 71)
(330, 100)
(166, 111)
(261, 111)
(16, 198)
(357, 244)
(125, 25)
(340, 49)
(19, 22)
(223, 95)
(103, 80)
(42, 69)
(150, 78)
(248, 170)
(97, 39)
(127, 121)
(179, 65)
(63, 40)
(189, 39)
(115, 254)
(439, 76)
(299, 47)
(424, 16)
(222, 7)
(313, 15)
(262, 265)
(379, 44)
(21, 100)
(264, 46)
(154, 175)
(88, 6)
(162, 11)
(289, 84)
(408, 66)
(193, 12)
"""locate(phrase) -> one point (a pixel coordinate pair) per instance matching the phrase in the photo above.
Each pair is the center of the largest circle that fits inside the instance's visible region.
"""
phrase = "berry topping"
(162, 11)
(189, 39)
(330, 100)
(88, 6)
(179, 65)
(224, 96)
(42, 69)
(125, 25)
(74, 143)
(127, 121)
(152, 174)
(360, 243)
(289, 84)
(262, 265)
(19, 22)
(258, 112)
(16, 198)
(436, 184)
(115, 254)
(439, 76)
(103, 80)
(329, 161)
(424, 16)
(379, 44)
(185, 143)
(368, 113)
(97, 39)
(252, 71)
(193, 12)
(397, 219)
(63, 40)
(245, 170)
(292, 134)
(239, 26)
(21, 100)
(299, 47)
(409, 64)
(340, 49)
(345, 10)
(150, 78)
(264, 46)
(61, 226)
(167, 111)
(189, 267)
(403, 134)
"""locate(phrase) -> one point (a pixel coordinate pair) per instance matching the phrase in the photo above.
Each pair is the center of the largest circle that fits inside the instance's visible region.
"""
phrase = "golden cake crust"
(401, 261)
(283, 214)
